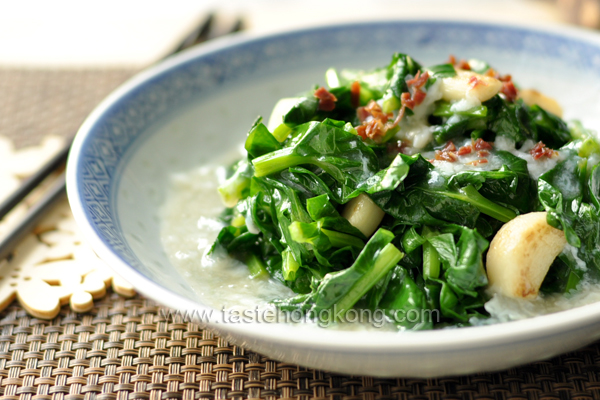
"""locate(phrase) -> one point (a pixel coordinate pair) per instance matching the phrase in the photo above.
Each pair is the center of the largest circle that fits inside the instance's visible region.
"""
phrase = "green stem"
(279, 160)
(572, 281)
(232, 190)
(276, 161)
(339, 239)
(289, 265)
(256, 267)
(385, 260)
(487, 207)
(312, 233)
(431, 258)
(282, 132)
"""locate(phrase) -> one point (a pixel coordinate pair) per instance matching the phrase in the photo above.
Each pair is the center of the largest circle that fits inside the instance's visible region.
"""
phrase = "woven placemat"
(36, 103)
(127, 349)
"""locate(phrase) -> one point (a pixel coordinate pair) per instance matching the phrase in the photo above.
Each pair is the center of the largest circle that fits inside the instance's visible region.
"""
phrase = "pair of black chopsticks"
(200, 34)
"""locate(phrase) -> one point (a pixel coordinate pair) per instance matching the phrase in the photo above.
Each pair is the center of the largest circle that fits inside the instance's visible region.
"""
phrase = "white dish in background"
(195, 107)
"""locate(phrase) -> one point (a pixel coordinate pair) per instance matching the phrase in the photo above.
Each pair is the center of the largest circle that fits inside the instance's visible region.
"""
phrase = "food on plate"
(521, 253)
(383, 191)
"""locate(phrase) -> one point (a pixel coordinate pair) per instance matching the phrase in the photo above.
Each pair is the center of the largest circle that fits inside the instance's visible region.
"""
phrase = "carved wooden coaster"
(52, 266)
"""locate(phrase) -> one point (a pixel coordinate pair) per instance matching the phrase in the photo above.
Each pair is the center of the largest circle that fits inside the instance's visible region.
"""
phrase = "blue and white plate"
(193, 108)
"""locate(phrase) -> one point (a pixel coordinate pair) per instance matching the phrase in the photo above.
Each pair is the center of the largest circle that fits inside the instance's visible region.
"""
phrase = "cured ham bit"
(509, 91)
(361, 130)
(465, 150)
(540, 150)
(449, 156)
(419, 80)
(375, 127)
(326, 99)
(399, 117)
(462, 64)
(407, 101)
(491, 72)
(416, 99)
(362, 113)
(474, 82)
(355, 94)
(449, 147)
(373, 109)
(483, 153)
(419, 96)
(478, 162)
(481, 144)
(448, 153)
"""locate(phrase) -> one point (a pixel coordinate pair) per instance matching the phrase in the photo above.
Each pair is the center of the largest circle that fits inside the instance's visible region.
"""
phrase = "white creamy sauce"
(189, 229)
(465, 104)
(574, 253)
(536, 167)
(504, 309)
(415, 128)
(465, 163)
(434, 93)
(417, 131)
(418, 134)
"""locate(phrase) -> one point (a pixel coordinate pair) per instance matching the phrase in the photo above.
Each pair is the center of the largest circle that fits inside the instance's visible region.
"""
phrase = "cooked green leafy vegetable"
(441, 158)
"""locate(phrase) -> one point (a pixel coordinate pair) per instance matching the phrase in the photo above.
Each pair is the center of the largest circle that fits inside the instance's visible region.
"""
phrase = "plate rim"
(380, 342)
